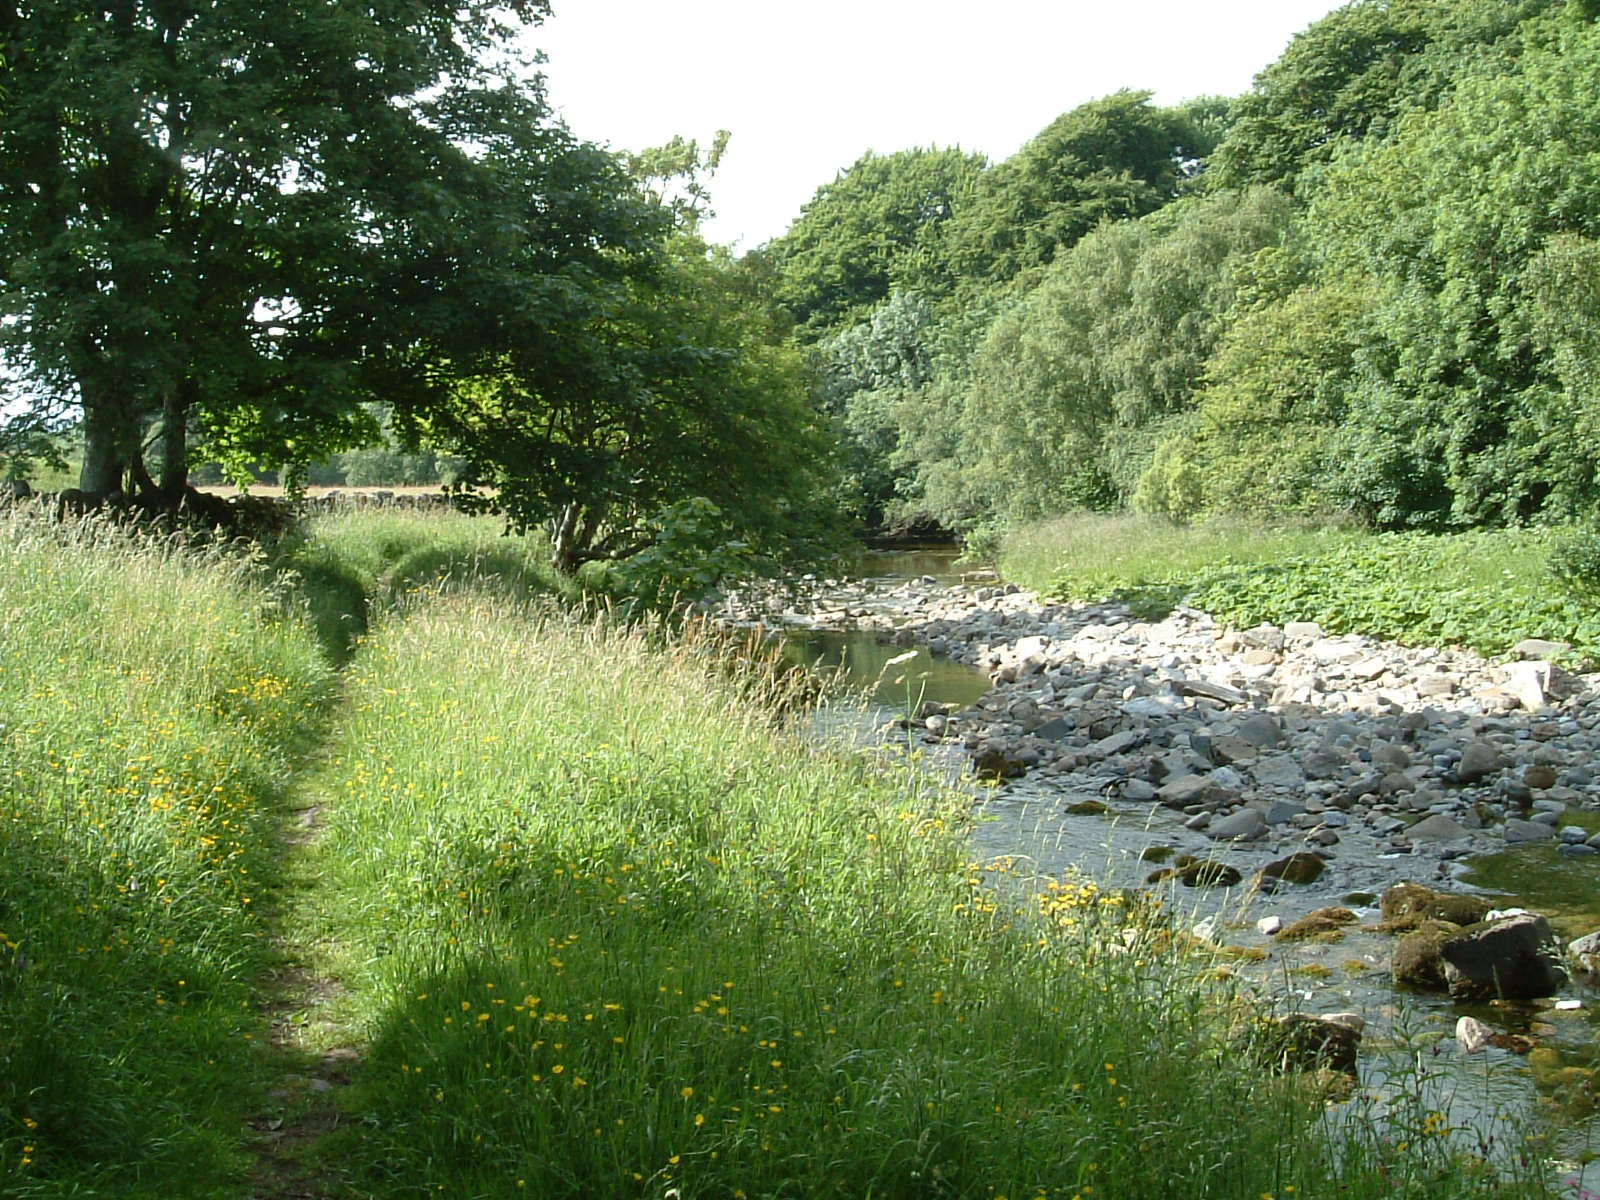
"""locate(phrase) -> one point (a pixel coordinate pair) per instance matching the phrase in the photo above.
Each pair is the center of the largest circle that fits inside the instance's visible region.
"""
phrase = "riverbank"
(599, 926)
(1267, 774)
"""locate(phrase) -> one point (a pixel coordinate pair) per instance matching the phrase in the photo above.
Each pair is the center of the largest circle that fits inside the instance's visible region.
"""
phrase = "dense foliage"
(1368, 287)
(225, 233)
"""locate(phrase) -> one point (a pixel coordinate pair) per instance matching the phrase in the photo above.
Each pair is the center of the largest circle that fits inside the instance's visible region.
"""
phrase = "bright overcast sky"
(807, 88)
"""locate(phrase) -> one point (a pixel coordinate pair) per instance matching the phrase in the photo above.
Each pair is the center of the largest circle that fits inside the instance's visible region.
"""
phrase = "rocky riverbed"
(1281, 780)
(1264, 741)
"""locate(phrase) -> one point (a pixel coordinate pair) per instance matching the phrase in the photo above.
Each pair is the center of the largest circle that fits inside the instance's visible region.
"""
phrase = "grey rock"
(1539, 648)
(1574, 834)
(1117, 743)
(1513, 959)
(1585, 952)
(1280, 812)
(1437, 828)
(1260, 730)
(1219, 692)
(1193, 789)
(1246, 824)
(1277, 771)
(1138, 791)
(1055, 729)
(1517, 830)
(1478, 759)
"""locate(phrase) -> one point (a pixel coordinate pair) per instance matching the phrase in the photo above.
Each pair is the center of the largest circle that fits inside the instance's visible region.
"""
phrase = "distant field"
(264, 489)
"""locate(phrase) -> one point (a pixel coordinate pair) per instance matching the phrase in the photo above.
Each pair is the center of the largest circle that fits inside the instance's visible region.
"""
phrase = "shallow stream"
(1408, 1037)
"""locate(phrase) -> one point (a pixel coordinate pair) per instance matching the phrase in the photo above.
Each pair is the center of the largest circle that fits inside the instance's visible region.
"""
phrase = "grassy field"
(588, 920)
(1486, 589)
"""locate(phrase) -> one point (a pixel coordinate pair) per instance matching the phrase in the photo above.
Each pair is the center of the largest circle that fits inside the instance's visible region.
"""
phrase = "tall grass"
(610, 932)
(151, 701)
(361, 559)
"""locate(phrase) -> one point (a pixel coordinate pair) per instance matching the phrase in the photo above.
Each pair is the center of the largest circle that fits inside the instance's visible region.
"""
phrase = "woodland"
(1365, 289)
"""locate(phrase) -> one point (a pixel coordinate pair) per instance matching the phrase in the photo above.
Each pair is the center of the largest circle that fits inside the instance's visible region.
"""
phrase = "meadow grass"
(364, 558)
(610, 931)
(152, 701)
(1485, 589)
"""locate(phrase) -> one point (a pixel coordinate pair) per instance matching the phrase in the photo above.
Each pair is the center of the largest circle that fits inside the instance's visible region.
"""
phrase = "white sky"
(807, 88)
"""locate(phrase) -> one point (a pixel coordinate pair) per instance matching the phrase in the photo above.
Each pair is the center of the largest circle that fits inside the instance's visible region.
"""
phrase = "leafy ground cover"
(601, 926)
(1486, 589)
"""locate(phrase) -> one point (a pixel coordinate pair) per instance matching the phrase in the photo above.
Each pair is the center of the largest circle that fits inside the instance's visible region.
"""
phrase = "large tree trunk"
(104, 438)
(175, 438)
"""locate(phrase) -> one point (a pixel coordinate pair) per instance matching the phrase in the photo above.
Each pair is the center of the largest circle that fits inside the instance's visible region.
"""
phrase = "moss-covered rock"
(1325, 923)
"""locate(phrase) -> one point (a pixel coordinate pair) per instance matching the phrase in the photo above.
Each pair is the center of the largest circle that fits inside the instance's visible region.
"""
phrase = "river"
(1409, 1034)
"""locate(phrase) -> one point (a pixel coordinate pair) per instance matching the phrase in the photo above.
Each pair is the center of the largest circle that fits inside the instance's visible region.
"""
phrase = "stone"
(1585, 953)
(1192, 789)
(1418, 960)
(1219, 692)
(1279, 770)
(1437, 828)
(1055, 729)
(1539, 776)
(1539, 648)
(1138, 791)
(1319, 922)
(1264, 637)
(1574, 835)
(1406, 905)
(1299, 867)
(995, 765)
(1207, 873)
(1088, 808)
(1260, 730)
(1269, 925)
(1116, 743)
(1302, 631)
(1281, 812)
(1478, 759)
(1516, 831)
(1536, 683)
(1245, 824)
(1472, 1035)
(1301, 1042)
(1226, 749)
(1513, 959)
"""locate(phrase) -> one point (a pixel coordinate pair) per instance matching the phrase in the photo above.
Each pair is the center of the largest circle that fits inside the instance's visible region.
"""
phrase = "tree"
(1464, 370)
(867, 231)
(1062, 401)
(1112, 158)
(670, 386)
(1351, 75)
(236, 222)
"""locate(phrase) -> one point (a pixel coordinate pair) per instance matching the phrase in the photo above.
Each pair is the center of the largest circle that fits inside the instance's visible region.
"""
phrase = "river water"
(1407, 1045)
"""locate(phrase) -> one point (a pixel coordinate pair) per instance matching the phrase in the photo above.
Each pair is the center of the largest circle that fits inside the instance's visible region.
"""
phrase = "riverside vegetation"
(590, 921)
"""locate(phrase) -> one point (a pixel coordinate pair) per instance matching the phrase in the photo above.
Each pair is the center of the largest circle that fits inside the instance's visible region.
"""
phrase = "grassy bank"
(152, 704)
(611, 933)
(603, 927)
(1487, 590)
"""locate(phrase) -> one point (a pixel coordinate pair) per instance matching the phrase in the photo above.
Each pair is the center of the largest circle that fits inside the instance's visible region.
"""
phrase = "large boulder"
(1517, 958)
(1418, 959)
